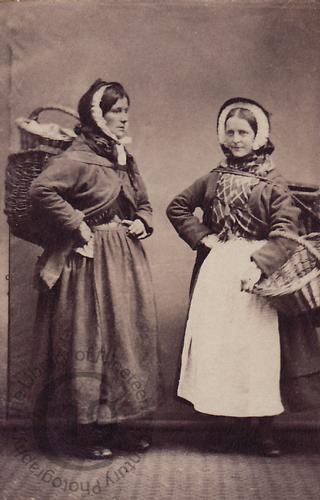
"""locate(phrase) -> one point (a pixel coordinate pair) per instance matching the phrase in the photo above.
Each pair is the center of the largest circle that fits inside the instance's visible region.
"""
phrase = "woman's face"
(239, 136)
(117, 118)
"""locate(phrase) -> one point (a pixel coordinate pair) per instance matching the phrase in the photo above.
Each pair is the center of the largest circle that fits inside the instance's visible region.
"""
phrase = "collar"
(259, 165)
(80, 151)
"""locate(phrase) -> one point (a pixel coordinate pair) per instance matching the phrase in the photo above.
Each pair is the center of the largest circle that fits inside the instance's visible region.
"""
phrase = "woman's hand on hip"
(208, 241)
(83, 233)
(136, 228)
(250, 278)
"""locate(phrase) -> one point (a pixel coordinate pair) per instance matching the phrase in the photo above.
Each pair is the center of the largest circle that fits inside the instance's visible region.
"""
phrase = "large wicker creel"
(22, 168)
(38, 143)
(295, 287)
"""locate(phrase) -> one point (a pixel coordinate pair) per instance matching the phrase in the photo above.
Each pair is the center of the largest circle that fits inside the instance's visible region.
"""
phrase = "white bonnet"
(260, 114)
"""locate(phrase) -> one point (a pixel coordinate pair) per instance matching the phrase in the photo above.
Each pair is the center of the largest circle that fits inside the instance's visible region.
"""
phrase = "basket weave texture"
(295, 287)
(39, 142)
(22, 169)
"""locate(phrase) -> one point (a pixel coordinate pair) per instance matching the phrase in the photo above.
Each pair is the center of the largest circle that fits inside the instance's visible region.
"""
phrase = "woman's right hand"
(83, 233)
(208, 241)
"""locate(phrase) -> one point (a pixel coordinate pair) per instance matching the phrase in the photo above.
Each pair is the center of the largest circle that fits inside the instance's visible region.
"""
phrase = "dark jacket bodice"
(269, 202)
(79, 184)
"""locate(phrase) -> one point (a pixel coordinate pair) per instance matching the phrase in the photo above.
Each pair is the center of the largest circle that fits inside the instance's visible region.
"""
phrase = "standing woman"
(96, 320)
(231, 357)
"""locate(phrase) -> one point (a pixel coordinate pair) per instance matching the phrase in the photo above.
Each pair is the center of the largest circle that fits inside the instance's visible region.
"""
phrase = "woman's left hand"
(136, 228)
(251, 277)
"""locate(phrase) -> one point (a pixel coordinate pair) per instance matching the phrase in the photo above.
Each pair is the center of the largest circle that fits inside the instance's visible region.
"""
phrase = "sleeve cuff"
(74, 222)
(148, 228)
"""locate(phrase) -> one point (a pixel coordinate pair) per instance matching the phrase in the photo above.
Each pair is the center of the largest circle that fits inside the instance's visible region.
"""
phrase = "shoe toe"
(95, 453)
(270, 449)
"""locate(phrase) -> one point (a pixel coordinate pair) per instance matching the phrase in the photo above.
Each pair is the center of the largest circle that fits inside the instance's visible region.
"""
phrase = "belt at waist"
(108, 225)
(102, 218)
(115, 223)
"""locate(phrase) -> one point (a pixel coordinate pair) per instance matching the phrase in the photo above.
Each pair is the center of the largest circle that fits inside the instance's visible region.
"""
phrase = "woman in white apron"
(231, 355)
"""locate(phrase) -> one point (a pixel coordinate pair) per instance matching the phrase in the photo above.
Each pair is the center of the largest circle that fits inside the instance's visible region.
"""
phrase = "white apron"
(231, 355)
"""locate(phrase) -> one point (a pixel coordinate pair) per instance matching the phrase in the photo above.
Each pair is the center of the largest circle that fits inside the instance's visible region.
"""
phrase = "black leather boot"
(265, 438)
(90, 444)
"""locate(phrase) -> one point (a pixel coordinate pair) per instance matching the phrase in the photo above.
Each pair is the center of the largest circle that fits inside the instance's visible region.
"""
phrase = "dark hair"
(245, 114)
(112, 93)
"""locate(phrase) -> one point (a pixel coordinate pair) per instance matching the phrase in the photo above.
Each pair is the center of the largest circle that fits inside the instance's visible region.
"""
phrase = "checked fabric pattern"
(230, 212)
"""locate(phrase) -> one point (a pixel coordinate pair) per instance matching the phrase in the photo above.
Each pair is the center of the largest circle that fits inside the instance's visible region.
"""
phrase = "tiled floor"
(178, 466)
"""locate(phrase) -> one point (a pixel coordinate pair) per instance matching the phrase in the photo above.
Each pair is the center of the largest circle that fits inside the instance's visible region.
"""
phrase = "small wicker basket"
(33, 134)
(295, 287)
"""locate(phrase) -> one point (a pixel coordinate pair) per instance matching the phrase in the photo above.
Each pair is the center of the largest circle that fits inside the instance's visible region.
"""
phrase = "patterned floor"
(179, 466)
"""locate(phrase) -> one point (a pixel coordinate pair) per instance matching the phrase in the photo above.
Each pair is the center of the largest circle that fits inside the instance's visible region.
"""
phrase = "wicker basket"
(22, 168)
(25, 166)
(33, 134)
(295, 287)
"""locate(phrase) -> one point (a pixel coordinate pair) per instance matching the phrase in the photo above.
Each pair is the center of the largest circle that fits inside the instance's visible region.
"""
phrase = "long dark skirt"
(96, 330)
(300, 359)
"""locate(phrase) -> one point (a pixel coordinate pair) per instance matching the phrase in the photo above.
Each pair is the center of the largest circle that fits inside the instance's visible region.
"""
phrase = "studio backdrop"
(179, 61)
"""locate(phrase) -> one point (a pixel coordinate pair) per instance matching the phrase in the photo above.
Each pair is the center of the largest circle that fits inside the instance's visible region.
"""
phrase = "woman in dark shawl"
(96, 323)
